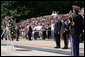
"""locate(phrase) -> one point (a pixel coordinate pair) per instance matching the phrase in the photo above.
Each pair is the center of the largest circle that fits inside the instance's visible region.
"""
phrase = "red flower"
(10, 29)
(5, 19)
(9, 23)
(9, 20)
(14, 38)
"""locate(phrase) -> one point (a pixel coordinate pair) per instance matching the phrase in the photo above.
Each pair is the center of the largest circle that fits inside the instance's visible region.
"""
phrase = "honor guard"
(76, 27)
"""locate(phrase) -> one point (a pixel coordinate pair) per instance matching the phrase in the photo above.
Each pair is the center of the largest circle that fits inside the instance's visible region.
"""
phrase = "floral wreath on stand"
(10, 23)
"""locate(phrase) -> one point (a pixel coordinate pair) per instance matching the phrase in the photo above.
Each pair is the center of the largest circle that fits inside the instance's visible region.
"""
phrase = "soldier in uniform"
(17, 32)
(57, 29)
(64, 33)
(75, 30)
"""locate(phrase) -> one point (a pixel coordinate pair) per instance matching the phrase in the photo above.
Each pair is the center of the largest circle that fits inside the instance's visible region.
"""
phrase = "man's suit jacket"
(57, 27)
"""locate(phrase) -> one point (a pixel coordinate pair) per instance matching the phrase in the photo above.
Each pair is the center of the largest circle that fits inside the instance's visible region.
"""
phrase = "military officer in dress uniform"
(17, 32)
(57, 29)
(75, 30)
(64, 32)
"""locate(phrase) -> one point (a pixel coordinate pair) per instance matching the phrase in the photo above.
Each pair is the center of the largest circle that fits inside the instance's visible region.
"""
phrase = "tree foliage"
(27, 9)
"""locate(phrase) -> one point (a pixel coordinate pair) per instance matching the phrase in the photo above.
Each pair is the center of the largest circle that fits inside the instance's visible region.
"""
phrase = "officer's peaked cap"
(75, 7)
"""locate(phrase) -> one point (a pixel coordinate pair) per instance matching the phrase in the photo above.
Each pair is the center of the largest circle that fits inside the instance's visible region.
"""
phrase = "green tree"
(28, 9)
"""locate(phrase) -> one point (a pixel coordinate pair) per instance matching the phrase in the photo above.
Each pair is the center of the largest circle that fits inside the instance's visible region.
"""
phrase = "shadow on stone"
(22, 50)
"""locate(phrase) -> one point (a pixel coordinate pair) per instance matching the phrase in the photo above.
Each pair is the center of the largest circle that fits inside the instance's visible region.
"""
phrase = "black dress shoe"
(57, 47)
(65, 48)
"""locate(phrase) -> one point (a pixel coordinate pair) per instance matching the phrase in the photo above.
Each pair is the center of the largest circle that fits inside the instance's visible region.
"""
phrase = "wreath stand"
(10, 45)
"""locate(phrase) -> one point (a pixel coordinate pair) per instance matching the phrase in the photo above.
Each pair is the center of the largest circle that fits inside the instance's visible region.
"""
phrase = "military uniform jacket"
(78, 25)
(63, 26)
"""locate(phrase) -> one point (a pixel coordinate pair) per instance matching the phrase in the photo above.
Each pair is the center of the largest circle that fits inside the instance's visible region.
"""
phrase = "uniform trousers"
(17, 38)
(49, 34)
(74, 46)
(29, 35)
(57, 40)
(44, 35)
(65, 37)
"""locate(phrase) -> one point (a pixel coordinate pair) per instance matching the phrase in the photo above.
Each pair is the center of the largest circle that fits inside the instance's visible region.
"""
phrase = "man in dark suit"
(57, 29)
(29, 32)
(75, 30)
